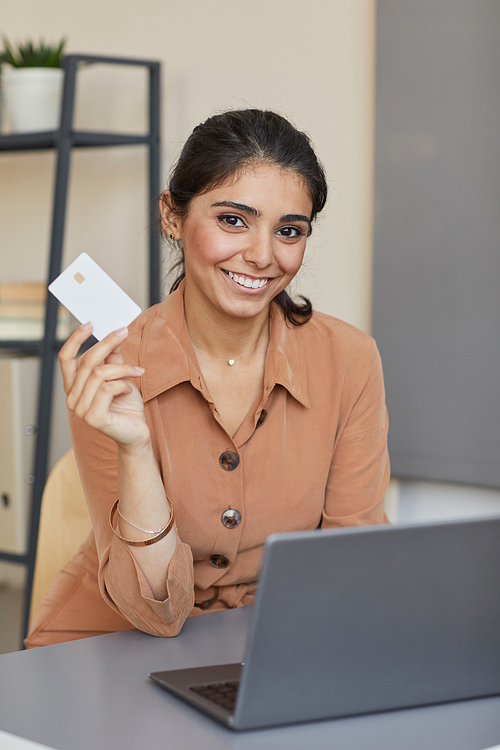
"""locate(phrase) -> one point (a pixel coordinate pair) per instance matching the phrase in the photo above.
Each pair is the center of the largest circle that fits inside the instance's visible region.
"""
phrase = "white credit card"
(91, 295)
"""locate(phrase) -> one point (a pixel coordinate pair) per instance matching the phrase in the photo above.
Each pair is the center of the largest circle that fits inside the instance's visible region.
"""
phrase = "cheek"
(291, 261)
(208, 246)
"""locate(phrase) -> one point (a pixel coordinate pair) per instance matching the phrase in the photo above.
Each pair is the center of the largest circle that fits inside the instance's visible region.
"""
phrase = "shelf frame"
(63, 141)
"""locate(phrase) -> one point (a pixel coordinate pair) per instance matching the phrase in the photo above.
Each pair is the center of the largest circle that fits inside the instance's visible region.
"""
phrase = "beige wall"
(311, 61)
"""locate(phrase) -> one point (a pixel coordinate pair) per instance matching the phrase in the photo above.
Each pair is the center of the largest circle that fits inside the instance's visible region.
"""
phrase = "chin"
(247, 309)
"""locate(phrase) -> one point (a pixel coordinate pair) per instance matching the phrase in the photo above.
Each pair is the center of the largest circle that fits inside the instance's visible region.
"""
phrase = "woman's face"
(244, 241)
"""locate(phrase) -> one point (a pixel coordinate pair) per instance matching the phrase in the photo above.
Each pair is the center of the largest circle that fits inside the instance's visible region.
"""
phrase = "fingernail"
(121, 332)
(85, 326)
(141, 370)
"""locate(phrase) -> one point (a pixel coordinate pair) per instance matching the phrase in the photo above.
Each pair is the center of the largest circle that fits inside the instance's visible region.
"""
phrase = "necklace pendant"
(231, 362)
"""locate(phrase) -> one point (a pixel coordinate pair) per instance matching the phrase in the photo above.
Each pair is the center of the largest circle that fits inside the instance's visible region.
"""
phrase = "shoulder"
(339, 359)
(152, 324)
(333, 338)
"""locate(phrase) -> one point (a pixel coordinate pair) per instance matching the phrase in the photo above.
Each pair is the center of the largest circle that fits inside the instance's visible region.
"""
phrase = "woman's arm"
(360, 471)
(113, 448)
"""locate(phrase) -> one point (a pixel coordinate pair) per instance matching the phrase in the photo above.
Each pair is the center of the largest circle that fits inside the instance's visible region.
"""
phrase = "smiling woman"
(257, 243)
(229, 405)
(224, 146)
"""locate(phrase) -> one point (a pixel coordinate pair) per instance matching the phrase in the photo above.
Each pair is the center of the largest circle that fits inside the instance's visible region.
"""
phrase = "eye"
(291, 233)
(231, 220)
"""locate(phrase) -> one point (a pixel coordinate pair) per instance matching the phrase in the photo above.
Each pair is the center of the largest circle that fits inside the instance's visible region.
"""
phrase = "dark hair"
(226, 144)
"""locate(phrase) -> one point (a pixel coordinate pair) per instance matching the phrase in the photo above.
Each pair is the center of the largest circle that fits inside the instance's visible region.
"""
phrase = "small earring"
(171, 236)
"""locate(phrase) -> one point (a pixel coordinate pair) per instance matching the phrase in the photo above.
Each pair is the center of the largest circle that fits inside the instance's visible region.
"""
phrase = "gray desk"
(94, 694)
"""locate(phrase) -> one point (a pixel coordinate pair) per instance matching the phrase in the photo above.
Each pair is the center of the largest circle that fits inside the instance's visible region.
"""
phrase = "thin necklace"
(233, 359)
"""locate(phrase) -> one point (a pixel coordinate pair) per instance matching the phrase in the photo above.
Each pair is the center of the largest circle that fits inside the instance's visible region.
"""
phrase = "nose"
(260, 252)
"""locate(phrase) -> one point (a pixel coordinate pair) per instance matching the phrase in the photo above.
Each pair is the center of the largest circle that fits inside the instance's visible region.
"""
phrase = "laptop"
(359, 620)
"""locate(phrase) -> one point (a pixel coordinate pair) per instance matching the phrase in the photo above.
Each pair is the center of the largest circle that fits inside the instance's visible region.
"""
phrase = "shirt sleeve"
(360, 471)
(121, 581)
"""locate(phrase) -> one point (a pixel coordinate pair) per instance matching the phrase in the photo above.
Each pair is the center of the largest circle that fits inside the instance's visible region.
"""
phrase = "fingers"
(72, 368)
(99, 386)
(85, 389)
(69, 351)
(98, 413)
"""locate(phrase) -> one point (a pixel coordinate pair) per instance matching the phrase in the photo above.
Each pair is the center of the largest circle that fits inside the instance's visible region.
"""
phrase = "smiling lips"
(246, 281)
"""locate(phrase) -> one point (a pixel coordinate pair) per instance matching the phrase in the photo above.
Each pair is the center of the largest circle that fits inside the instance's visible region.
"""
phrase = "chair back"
(64, 525)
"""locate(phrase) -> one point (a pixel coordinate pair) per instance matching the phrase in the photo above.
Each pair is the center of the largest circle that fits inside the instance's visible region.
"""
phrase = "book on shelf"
(23, 291)
(22, 312)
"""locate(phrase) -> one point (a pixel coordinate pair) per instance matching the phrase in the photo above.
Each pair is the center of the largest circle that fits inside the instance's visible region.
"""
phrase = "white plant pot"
(32, 98)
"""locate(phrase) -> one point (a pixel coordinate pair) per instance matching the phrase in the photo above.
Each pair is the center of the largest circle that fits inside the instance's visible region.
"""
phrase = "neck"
(223, 337)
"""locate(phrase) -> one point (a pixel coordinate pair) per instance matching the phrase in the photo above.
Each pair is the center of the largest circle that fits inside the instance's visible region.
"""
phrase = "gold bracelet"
(144, 542)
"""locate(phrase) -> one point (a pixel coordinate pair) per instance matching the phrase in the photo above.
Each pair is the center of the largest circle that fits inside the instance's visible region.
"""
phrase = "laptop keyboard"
(221, 693)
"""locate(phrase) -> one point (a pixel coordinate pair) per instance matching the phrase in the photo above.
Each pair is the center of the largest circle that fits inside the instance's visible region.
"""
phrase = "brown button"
(229, 460)
(262, 417)
(231, 518)
(219, 561)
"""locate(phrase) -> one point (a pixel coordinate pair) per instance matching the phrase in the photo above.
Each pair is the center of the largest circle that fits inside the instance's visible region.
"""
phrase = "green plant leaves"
(31, 55)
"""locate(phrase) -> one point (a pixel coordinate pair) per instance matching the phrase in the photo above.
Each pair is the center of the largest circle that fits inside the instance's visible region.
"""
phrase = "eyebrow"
(238, 206)
(296, 217)
(253, 211)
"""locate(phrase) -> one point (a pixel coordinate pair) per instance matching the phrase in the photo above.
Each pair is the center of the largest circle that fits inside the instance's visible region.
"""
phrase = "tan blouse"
(311, 452)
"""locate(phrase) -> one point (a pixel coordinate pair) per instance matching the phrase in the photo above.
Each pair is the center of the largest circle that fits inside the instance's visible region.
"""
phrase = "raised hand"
(100, 387)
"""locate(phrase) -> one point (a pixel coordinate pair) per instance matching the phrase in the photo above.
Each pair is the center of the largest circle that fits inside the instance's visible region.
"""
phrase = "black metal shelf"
(63, 141)
(79, 139)
(28, 141)
(14, 557)
(22, 346)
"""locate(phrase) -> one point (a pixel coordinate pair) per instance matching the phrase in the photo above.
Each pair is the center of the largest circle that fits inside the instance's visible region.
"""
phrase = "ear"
(170, 221)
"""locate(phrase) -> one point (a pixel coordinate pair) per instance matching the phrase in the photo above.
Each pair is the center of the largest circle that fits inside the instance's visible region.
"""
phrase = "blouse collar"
(168, 357)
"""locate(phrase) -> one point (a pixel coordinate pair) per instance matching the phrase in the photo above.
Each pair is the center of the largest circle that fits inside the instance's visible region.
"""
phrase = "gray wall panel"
(436, 312)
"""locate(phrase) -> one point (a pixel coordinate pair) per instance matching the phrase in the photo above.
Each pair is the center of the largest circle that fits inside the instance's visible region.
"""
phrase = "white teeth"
(256, 284)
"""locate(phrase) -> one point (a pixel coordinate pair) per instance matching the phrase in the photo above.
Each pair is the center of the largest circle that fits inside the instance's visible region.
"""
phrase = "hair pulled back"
(224, 146)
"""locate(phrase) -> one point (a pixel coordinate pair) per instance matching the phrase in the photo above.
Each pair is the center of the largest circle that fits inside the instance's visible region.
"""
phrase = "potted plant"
(32, 80)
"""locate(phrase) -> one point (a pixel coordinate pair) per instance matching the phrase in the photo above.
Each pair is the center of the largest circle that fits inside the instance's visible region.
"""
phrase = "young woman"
(225, 413)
